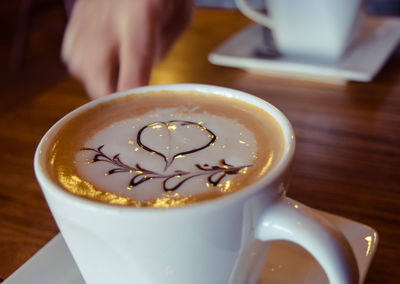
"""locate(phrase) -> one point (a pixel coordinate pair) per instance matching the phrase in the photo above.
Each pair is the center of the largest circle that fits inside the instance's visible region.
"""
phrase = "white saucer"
(246, 50)
(286, 262)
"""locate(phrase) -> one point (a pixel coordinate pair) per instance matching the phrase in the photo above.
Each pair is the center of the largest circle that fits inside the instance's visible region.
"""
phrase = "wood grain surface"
(347, 160)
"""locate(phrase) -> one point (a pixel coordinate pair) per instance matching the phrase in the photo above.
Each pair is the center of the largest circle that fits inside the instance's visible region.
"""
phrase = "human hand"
(112, 45)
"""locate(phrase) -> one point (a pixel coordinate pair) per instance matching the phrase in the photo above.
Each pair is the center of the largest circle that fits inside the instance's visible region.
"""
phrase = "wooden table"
(348, 143)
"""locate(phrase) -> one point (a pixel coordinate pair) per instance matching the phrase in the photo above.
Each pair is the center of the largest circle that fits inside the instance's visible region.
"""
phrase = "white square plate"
(362, 62)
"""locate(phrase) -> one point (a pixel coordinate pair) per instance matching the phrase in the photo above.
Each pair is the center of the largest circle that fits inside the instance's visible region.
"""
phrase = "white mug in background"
(224, 240)
(310, 29)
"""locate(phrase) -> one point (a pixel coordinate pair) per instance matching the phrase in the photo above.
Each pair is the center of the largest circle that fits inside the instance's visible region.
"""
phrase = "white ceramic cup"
(219, 241)
(310, 29)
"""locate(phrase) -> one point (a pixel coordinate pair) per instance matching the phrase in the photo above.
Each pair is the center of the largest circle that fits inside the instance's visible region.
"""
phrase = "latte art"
(188, 155)
(172, 127)
(171, 181)
(189, 148)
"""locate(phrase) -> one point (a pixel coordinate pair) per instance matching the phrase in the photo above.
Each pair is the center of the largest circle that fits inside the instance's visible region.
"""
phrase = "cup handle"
(253, 14)
(292, 221)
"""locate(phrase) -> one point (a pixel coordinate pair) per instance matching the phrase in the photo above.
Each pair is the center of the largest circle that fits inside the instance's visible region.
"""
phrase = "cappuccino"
(164, 149)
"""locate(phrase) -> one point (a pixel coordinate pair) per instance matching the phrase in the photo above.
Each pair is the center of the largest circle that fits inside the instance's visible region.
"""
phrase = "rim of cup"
(280, 168)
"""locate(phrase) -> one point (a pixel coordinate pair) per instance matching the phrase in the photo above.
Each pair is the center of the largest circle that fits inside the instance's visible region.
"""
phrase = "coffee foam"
(165, 149)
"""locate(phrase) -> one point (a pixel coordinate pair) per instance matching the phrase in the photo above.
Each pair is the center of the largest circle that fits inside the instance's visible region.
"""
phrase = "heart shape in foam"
(175, 138)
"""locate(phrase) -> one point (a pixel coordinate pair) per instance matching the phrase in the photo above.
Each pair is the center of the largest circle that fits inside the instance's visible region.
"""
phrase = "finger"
(95, 64)
(71, 32)
(136, 57)
(92, 58)
(88, 50)
(99, 71)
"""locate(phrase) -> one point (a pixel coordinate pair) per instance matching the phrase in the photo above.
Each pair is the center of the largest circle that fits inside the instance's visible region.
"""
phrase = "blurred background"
(31, 35)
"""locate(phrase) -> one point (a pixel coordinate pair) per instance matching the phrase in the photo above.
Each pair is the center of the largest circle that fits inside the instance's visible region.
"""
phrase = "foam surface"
(164, 149)
(167, 151)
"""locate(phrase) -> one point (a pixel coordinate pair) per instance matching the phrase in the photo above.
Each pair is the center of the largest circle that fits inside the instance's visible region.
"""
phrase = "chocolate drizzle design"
(169, 159)
(171, 181)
